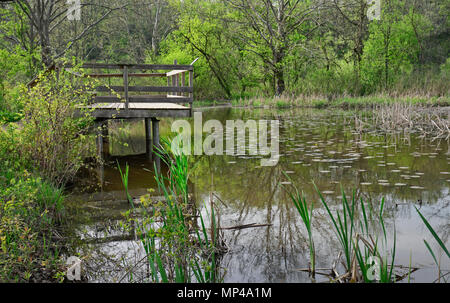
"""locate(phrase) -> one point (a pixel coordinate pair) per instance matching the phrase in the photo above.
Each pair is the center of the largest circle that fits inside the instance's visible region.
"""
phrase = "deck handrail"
(137, 66)
(175, 89)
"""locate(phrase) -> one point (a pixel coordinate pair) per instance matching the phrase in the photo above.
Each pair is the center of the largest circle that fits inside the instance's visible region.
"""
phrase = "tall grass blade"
(433, 232)
(431, 251)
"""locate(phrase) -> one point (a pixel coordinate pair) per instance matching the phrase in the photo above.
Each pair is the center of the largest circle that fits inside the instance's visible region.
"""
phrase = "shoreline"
(342, 103)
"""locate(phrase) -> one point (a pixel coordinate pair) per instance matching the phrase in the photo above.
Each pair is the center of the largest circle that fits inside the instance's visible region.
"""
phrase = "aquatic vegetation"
(167, 226)
(357, 226)
(361, 232)
(306, 214)
(438, 240)
(407, 117)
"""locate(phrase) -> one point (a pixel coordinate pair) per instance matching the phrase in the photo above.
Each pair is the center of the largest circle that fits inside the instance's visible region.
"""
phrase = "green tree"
(392, 48)
(270, 29)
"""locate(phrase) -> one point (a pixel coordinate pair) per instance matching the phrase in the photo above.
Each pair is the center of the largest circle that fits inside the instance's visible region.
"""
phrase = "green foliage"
(54, 138)
(445, 69)
(13, 70)
(314, 65)
(391, 51)
(6, 117)
(223, 69)
(29, 210)
(435, 235)
(246, 49)
(38, 155)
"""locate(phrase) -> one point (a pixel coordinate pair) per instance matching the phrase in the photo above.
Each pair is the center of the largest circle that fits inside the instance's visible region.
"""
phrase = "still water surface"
(315, 145)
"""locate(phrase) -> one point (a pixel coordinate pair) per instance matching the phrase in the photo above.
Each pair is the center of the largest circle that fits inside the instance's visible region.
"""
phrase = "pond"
(315, 145)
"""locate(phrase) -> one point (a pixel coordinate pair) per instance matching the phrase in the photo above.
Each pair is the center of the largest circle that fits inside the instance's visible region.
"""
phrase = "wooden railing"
(177, 90)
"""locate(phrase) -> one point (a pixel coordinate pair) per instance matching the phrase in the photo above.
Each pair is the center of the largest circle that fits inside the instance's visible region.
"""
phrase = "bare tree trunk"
(155, 38)
(279, 82)
(46, 16)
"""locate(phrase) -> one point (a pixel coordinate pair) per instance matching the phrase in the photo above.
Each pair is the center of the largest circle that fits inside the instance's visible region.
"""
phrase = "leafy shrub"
(28, 208)
(37, 156)
(54, 137)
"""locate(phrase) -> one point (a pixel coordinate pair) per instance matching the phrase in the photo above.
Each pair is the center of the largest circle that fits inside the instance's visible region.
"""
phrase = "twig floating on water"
(245, 226)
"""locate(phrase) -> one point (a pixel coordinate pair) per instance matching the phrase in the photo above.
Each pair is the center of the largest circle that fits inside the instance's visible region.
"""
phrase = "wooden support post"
(125, 86)
(99, 131)
(99, 139)
(105, 138)
(155, 128)
(148, 138)
(105, 131)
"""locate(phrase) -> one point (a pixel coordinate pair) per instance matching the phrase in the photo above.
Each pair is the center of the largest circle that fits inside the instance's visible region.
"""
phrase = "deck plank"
(138, 110)
(121, 105)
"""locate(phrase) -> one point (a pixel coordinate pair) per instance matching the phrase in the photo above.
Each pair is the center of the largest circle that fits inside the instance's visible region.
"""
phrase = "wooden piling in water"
(148, 138)
(99, 138)
(156, 143)
(99, 128)
(105, 137)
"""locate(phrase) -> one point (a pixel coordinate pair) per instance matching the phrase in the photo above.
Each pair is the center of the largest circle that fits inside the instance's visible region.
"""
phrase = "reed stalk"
(173, 255)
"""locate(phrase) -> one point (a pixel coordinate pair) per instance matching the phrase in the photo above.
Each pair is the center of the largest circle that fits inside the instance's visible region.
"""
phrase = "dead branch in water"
(252, 225)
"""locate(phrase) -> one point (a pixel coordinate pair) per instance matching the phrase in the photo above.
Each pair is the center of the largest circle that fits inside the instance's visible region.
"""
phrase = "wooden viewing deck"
(127, 101)
(147, 102)
(173, 100)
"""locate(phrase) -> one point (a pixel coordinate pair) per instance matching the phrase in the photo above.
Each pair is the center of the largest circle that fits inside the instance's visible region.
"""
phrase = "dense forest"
(327, 48)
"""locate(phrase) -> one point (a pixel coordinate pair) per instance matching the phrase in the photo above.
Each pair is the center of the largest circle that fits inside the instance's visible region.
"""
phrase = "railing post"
(125, 85)
(174, 79)
(183, 82)
(191, 85)
(177, 79)
(177, 83)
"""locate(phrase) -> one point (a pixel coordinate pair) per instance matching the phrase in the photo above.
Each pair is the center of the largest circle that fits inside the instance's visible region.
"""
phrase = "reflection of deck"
(139, 110)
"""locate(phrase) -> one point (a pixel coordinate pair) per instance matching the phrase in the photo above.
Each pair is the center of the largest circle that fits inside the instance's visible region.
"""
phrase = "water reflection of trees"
(253, 195)
(260, 253)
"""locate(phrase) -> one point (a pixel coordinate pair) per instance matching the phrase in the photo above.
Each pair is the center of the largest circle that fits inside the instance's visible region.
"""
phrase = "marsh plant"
(361, 232)
(360, 228)
(438, 240)
(305, 213)
(176, 248)
(407, 117)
